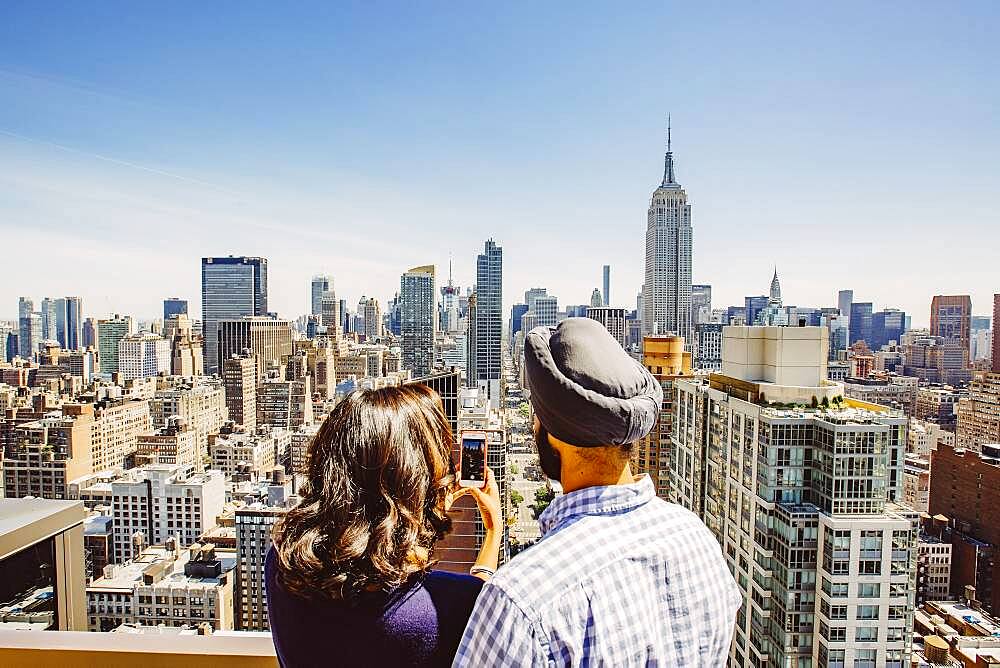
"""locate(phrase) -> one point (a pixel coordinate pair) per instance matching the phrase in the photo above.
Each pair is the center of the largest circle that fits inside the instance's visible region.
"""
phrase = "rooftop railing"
(72, 649)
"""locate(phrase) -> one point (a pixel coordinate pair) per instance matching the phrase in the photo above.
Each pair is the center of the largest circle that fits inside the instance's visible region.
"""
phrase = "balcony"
(71, 649)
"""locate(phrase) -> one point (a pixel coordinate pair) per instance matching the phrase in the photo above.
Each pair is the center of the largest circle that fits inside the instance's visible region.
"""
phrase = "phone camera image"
(473, 459)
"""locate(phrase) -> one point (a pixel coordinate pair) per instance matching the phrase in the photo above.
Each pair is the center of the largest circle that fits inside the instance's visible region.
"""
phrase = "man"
(620, 577)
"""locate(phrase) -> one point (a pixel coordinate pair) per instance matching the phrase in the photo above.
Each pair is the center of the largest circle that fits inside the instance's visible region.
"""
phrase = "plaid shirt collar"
(602, 500)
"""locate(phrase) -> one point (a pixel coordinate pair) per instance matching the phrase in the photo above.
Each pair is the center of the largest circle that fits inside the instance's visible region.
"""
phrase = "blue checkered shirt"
(620, 578)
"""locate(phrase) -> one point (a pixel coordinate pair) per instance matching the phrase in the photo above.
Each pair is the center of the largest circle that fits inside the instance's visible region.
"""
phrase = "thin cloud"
(123, 163)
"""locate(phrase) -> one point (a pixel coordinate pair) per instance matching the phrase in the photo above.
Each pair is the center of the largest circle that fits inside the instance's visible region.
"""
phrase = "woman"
(349, 579)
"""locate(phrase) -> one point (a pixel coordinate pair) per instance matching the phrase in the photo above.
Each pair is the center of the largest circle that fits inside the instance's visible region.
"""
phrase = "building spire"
(668, 160)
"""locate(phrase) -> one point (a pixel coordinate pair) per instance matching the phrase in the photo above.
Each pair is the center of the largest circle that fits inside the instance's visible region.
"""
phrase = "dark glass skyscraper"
(69, 322)
(231, 287)
(887, 326)
(174, 306)
(489, 320)
(860, 323)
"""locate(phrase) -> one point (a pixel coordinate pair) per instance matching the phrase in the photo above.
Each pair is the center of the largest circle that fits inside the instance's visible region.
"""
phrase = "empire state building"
(667, 291)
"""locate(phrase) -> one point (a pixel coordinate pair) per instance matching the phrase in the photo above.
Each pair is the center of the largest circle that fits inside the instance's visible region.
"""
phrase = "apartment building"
(800, 487)
(165, 585)
(154, 503)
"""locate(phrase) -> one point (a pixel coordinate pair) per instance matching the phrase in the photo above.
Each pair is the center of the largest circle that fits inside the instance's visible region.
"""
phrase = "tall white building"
(151, 504)
(143, 355)
(667, 288)
(800, 487)
(418, 316)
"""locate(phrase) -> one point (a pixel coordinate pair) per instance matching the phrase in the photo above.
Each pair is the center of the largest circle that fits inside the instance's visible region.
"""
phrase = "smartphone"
(473, 459)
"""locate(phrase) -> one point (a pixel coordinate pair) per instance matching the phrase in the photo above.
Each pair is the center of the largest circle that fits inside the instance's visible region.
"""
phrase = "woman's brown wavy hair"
(372, 507)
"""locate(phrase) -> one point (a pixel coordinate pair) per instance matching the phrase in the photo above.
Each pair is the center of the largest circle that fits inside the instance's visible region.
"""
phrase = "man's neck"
(574, 477)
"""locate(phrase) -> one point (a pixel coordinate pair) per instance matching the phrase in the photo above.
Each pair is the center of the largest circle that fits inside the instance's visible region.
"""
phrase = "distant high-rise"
(89, 334)
(174, 306)
(887, 326)
(231, 287)
(667, 288)
(49, 320)
(372, 314)
(613, 320)
(844, 300)
(996, 333)
(320, 284)
(546, 310)
(607, 285)
(330, 314)
(110, 332)
(143, 355)
(531, 295)
(239, 375)
(269, 340)
(596, 299)
(774, 297)
(516, 314)
(753, 306)
(69, 322)
(417, 319)
(860, 323)
(29, 328)
(951, 318)
(471, 349)
(701, 304)
(489, 321)
(451, 310)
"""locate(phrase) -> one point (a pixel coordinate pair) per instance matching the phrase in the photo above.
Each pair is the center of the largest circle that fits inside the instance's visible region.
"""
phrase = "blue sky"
(853, 145)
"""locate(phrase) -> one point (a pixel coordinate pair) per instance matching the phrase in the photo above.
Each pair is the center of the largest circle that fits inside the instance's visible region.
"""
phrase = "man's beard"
(548, 458)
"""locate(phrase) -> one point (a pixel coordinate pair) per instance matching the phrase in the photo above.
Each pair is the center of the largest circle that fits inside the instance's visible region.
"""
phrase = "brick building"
(965, 490)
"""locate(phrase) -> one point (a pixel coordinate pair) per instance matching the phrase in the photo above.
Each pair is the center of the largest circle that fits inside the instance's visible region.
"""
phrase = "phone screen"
(474, 459)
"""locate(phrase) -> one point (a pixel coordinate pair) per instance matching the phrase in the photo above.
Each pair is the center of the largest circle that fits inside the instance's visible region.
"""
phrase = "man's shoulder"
(659, 532)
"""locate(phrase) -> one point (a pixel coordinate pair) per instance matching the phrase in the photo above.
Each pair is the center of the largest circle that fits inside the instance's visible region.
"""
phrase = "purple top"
(418, 624)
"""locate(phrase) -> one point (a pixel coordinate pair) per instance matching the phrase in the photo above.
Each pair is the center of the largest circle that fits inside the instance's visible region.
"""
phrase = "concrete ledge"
(71, 649)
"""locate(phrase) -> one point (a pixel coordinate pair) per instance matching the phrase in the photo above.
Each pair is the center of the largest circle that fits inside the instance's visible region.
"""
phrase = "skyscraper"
(29, 328)
(951, 318)
(667, 288)
(174, 306)
(231, 287)
(546, 310)
(844, 300)
(269, 341)
(69, 322)
(607, 285)
(89, 333)
(800, 488)
(320, 285)
(49, 319)
(774, 297)
(110, 332)
(417, 319)
(489, 321)
(887, 326)
(701, 304)
(531, 295)
(860, 323)
(596, 300)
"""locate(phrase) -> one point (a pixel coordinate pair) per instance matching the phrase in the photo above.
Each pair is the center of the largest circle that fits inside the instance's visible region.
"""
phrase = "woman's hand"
(488, 499)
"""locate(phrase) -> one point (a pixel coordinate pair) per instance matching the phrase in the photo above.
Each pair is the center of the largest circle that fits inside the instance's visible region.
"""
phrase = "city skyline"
(109, 166)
